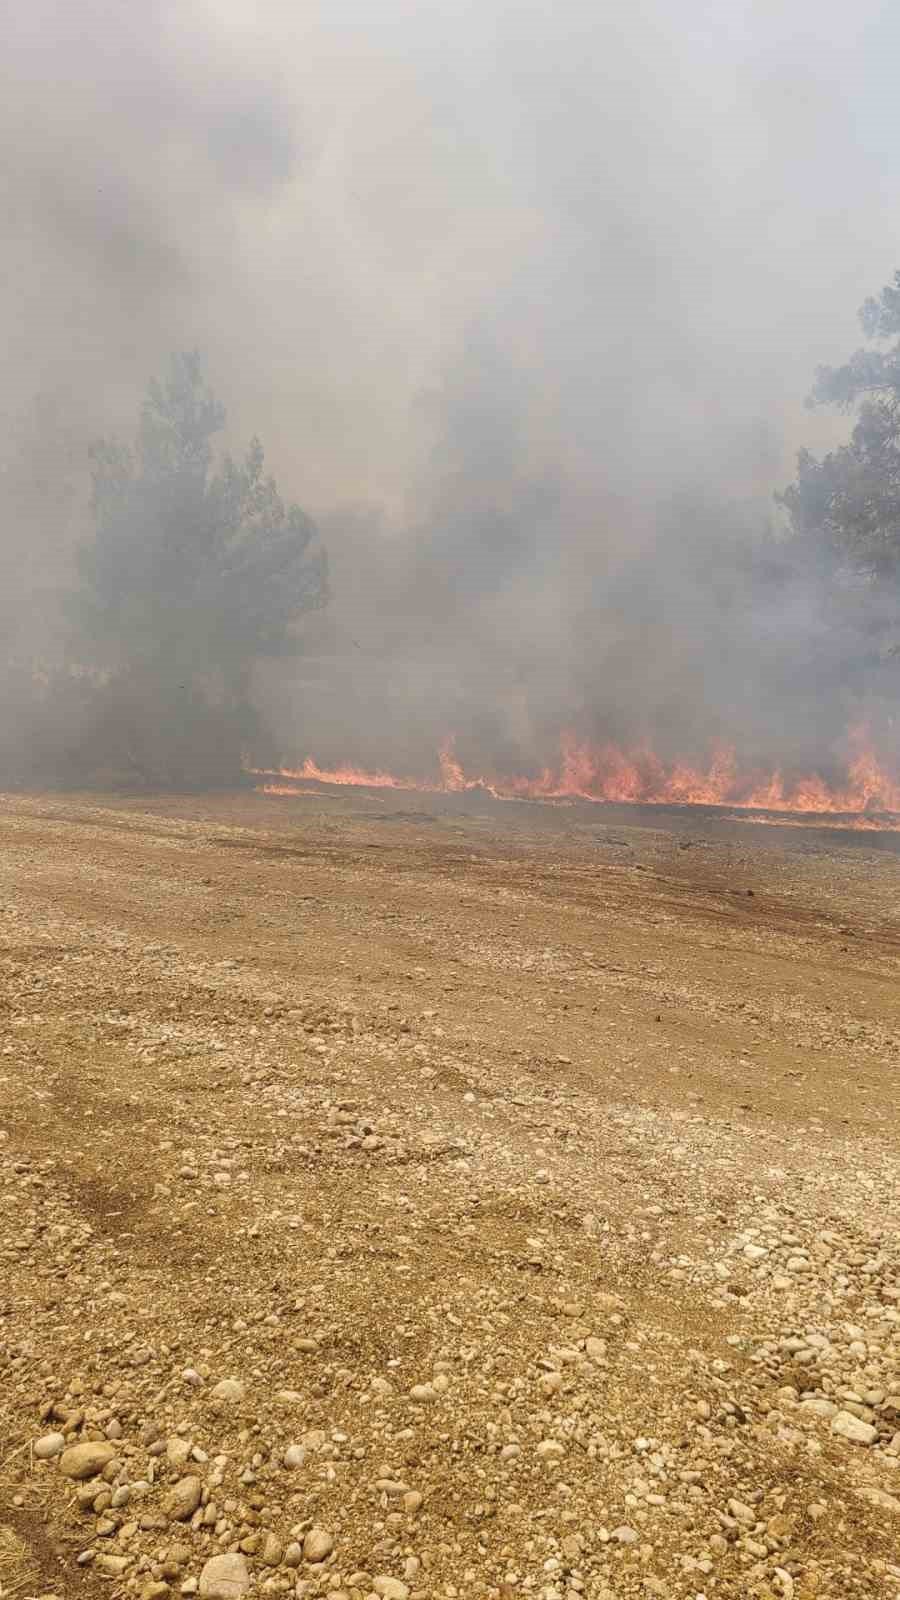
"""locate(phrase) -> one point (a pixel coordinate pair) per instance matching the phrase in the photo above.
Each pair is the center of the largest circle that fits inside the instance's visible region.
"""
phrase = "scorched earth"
(474, 1200)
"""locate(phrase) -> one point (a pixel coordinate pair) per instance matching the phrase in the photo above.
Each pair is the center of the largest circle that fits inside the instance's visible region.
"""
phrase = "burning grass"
(864, 796)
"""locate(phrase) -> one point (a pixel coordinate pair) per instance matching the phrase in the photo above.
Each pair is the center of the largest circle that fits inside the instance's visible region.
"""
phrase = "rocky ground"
(445, 1203)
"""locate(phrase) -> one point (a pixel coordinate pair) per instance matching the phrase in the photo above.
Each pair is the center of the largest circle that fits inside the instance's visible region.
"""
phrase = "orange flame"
(608, 773)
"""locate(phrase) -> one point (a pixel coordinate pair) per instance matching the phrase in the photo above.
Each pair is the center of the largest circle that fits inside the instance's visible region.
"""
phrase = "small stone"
(317, 1546)
(183, 1499)
(177, 1450)
(847, 1426)
(86, 1460)
(293, 1555)
(742, 1512)
(52, 1444)
(820, 1408)
(412, 1502)
(879, 1498)
(225, 1578)
(272, 1551)
(550, 1450)
(422, 1393)
(625, 1535)
(230, 1390)
(155, 1590)
(390, 1588)
(294, 1456)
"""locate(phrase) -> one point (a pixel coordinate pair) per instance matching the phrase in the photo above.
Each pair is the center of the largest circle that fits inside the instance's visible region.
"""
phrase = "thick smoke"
(524, 301)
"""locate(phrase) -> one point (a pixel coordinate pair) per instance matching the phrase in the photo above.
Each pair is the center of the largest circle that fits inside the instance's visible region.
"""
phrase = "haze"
(523, 300)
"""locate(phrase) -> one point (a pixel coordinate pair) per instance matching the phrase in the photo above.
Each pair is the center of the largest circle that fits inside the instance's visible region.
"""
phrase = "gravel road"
(450, 1201)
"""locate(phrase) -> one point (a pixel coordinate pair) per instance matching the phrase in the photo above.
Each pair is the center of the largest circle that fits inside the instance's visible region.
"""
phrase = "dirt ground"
(430, 1200)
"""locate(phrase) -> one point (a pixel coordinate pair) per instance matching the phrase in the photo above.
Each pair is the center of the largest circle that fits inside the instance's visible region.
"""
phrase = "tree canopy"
(851, 497)
(196, 569)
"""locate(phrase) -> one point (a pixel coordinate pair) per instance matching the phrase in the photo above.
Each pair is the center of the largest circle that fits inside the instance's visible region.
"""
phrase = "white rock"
(229, 1389)
(225, 1578)
(317, 1545)
(820, 1407)
(847, 1426)
(879, 1498)
(52, 1444)
(742, 1512)
(390, 1588)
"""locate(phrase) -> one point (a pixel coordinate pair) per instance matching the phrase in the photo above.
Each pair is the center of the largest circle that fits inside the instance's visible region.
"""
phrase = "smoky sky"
(524, 301)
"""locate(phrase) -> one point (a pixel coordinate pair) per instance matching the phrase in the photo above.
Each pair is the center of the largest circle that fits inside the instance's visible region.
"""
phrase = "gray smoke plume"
(524, 301)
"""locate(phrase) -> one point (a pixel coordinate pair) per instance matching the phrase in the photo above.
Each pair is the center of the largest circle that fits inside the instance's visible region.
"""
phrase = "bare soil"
(534, 1173)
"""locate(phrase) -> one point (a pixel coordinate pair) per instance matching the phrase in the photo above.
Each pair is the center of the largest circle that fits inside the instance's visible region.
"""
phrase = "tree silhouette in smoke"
(195, 571)
(851, 498)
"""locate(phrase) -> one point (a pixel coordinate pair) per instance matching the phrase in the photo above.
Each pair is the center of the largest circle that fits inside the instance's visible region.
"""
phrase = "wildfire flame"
(608, 773)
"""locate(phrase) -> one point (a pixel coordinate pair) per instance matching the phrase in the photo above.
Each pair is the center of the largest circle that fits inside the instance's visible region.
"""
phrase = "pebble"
(52, 1444)
(272, 1551)
(183, 1499)
(115, 1565)
(742, 1512)
(225, 1578)
(422, 1393)
(86, 1460)
(230, 1390)
(879, 1498)
(317, 1546)
(847, 1426)
(390, 1588)
(294, 1456)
